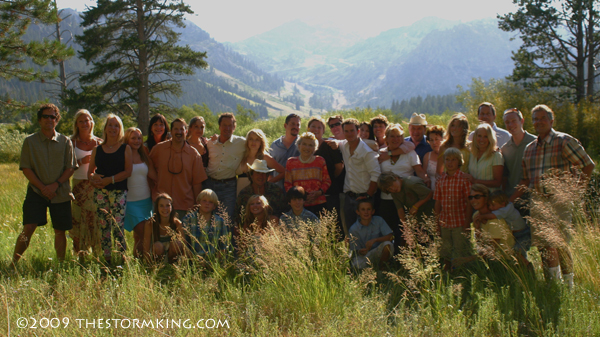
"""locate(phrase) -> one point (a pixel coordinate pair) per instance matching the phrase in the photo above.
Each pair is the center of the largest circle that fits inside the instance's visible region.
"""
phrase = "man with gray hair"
(552, 150)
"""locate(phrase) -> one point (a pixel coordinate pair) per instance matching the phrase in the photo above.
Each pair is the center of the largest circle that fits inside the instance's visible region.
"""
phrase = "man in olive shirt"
(47, 161)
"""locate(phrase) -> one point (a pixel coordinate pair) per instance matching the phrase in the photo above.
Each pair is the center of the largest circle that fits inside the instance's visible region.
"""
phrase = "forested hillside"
(230, 80)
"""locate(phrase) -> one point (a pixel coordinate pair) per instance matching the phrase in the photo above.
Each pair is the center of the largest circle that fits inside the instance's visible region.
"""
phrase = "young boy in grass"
(452, 207)
(207, 233)
(370, 237)
(296, 197)
(502, 209)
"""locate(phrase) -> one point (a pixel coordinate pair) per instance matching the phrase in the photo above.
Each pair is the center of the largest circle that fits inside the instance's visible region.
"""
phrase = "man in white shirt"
(362, 172)
(225, 155)
(486, 112)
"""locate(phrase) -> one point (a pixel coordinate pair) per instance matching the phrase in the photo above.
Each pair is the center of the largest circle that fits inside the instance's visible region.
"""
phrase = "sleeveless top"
(430, 169)
(137, 183)
(82, 172)
(109, 164)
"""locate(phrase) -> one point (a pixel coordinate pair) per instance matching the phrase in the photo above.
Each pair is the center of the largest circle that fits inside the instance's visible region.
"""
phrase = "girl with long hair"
(163, 233)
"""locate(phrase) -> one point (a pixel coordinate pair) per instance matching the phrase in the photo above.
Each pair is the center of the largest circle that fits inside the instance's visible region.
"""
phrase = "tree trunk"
(591, 51)
(143, 117)
(580, 59)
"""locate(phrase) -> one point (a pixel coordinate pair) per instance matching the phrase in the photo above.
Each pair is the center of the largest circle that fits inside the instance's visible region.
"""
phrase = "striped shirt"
(453, 192)
(558, 151)
(483, 168)
(311, 176)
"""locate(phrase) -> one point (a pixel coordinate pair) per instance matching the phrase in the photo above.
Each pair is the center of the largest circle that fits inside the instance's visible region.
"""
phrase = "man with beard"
(179, 169)
(285, 146)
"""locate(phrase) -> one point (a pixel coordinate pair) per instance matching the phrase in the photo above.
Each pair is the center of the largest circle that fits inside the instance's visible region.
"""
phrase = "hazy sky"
(237, 20)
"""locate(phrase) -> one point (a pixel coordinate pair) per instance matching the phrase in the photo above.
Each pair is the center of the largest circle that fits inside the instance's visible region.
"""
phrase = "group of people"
(179, 189)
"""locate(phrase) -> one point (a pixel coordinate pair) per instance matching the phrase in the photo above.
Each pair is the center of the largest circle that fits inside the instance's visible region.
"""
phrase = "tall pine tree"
(16, 55)
(134, 54)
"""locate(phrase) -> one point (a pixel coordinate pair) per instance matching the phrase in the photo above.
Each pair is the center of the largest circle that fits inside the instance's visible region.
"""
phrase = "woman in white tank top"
(139, 196)
(85, 233)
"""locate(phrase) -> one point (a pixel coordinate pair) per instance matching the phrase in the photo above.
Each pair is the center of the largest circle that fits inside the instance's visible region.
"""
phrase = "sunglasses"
(476, 197)
(49, 116)
(331, 126)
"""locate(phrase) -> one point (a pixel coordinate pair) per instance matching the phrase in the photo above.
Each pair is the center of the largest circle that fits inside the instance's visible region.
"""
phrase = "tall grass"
(297, 284)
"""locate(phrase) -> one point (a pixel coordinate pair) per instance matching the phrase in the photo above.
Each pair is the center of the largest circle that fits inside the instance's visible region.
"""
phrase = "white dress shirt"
(362, 167)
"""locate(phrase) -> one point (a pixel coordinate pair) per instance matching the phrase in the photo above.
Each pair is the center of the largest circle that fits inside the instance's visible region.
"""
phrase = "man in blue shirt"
(285, 146)
(416, 128)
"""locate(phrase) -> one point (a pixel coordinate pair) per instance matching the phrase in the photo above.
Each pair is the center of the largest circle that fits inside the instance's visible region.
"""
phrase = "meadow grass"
(292, 284)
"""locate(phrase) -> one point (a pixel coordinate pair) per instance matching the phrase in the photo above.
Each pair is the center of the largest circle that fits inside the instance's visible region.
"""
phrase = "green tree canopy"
(561, 41)
(17, 57)
(136, 61)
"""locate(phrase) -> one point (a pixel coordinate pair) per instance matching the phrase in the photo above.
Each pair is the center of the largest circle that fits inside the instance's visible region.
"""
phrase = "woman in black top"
(110, 166)
(158, 131)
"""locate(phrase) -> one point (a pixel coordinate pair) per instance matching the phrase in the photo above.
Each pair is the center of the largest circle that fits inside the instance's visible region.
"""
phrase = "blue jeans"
(226, 191)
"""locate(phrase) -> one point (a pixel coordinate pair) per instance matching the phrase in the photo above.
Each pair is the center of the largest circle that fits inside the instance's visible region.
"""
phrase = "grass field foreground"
(293, 284)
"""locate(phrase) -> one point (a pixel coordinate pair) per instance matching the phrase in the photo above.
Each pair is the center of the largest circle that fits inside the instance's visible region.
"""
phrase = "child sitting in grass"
(370, 237)
(503, 209)
(207, 233)
(295, 197)
(452, 207)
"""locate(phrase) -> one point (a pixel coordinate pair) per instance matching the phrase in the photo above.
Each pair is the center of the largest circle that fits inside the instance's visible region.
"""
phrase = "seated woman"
(310, 172)
(163, 233)
(258, 174)
(256, 148)
(495, 233)
(207, 233)
(258, 215)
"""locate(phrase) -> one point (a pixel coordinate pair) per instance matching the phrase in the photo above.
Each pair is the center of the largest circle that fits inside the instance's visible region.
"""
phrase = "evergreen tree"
(561, 40)
(15, 18)
(134, 54)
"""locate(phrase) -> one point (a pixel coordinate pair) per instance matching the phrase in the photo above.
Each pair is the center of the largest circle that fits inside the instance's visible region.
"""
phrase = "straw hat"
(260, 166)
(418, 119)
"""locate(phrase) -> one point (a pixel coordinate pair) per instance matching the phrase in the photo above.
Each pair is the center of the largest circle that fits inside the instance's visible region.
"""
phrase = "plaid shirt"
(557, 151)
(452, 192)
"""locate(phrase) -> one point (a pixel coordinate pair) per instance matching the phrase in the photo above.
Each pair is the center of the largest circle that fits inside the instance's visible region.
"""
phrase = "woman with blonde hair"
(456, 136)
(310, 172)
(85, 233)
(139, 196)
(258, 214)
(256, 148)
(403, 165)
(110, 166)
(487, 164)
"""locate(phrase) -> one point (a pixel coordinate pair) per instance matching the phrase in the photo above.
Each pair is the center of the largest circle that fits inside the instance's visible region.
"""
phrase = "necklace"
(394, 161)
(310, 159)
(86, 142)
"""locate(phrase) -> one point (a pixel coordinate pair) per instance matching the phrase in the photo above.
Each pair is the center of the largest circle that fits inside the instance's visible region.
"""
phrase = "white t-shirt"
(403, 167)
(137, 184)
